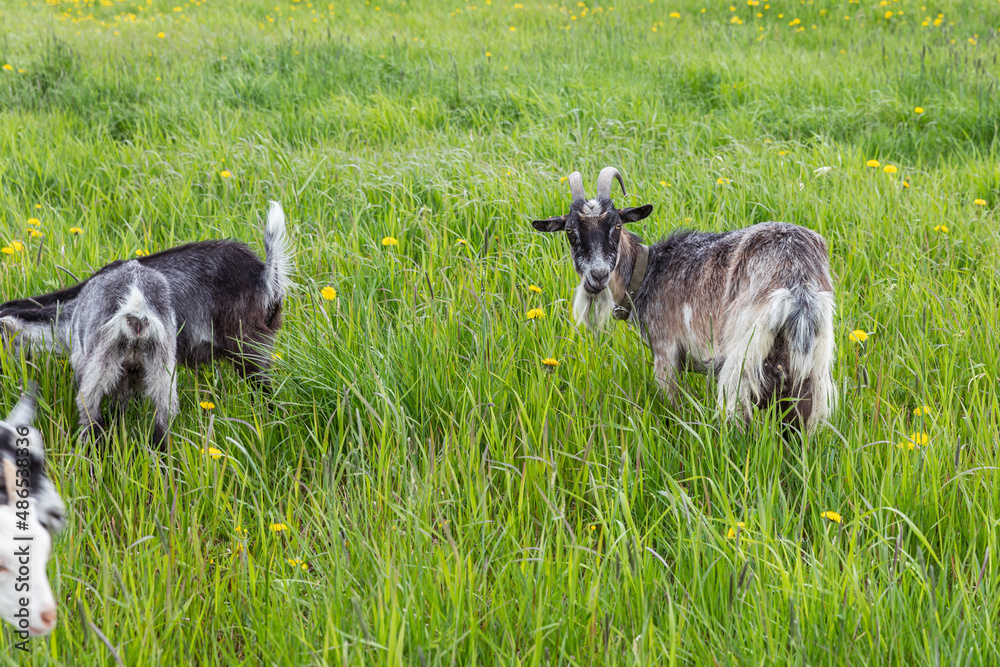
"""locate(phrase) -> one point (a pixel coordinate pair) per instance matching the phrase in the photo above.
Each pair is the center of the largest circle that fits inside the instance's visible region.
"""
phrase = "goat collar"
(623, 311)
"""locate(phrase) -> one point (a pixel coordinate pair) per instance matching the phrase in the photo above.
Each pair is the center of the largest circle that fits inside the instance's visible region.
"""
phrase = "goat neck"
(630, 249)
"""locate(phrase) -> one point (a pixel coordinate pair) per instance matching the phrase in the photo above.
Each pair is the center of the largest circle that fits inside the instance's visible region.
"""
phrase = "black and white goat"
(226, 301)
(26, 524)
(123, 335)
(754, 306)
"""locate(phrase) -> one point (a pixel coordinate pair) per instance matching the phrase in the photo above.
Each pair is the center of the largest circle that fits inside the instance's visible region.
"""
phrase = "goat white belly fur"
(752, 306)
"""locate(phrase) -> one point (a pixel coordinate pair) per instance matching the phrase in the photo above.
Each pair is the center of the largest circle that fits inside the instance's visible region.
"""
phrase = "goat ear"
(23, 413)
(635, 214)
(556, 224)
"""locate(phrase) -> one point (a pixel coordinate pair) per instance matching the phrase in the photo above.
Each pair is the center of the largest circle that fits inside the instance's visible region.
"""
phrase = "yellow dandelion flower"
(720, 180)
(782, 153)
(296, 562)
(389, 241)
(277, 356)
(871, 163)
(75, 230)
(915, 440)
(906, 184)
(888, 15)
(889, 169)
(858, 336)
(328, 293)
(675, 15)
(732, 531)
(535, 288)
(161, 35)
(34, 221)
(225, 173)
(979, 202)
(8, 67)
(550, 362)
(536, 314)
(489, 55)
(512, 28)
(7, 250)
(922, 410)
(832, 516)
(941, 229)
(213, 452)
(34, 233)
(462, 242)
(562, 179)
(278, 527)
(142, 253)
(918, 110)
(207, 405)
(17, 246)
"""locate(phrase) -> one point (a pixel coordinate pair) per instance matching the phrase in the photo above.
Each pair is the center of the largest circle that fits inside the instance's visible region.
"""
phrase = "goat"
(31, 511)
(124, 342)
(226, 301)
(753, 306)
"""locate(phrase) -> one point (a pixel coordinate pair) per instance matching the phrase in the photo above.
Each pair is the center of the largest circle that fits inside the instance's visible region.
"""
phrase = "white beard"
(592, 310)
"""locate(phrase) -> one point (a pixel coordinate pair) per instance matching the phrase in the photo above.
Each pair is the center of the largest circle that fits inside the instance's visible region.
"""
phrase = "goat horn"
(604, 182)
(576, 187)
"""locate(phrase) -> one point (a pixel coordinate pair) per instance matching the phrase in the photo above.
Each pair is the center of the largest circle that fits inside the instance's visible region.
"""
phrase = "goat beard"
(592, 310)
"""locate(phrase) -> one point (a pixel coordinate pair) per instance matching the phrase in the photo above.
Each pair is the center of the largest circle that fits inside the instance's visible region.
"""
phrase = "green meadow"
(423, 489)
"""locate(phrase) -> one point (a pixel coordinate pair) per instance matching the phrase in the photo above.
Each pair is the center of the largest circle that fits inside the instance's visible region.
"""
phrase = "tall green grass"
(446, 497)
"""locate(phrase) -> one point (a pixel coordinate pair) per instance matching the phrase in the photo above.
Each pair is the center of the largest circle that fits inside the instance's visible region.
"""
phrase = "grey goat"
(124, 343)
(227, 302)
(753, 306)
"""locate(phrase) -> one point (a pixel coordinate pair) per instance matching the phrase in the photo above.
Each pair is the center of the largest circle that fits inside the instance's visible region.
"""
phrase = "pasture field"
(426, 490)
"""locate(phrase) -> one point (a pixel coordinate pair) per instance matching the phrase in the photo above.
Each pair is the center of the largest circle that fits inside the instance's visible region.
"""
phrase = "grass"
(447, 498)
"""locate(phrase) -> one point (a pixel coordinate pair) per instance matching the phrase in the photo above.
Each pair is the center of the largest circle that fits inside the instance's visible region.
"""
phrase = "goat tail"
(277, 255)
(809, 334)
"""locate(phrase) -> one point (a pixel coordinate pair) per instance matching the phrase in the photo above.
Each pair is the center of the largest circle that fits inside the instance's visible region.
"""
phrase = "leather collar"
(623, 311)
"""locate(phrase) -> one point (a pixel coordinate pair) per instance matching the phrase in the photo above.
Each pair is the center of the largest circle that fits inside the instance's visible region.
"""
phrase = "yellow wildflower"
(535, 288)
(8, 67)
(17, 246)
(915, 440)
(918, 110)
(922, 410)
(980, 202)
(7, 250)
(225, 173)
(942, 229)
(536, 314)
(75, 230)
(34, 221)
(328, 293)
(675, 15)
(278, 527)
(462, 242)
(858, 336)
(142, 253)
(489, 55)
(207, 405)
(889, 169)
(34, 233)
(550, 362)
(213, 452)
(871, 163)
(296, 562)
(389, 240)
(732, 531)
(832, 516)
(161, 35)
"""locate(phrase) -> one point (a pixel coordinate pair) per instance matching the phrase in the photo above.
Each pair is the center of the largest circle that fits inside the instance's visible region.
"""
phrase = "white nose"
(47, 622)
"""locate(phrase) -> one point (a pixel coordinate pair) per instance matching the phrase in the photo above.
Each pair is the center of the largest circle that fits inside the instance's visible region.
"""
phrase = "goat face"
(594, 230)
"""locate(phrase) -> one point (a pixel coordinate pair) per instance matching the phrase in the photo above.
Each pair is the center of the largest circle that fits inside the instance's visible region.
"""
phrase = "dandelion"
(213, 452)
(207, 405)
(889, 169)
(858, 336)
(720, 180)
(871, 163)
(832, 516)
(675, 15)
(941, 229)
(535, 288)
(17, 246)
(160, 35)
(7, 250)
(888, 15)
(562, 180)
(295, 562)
(906, 185)
(389, 240)
(918, 110)
(980, 202)
(34, 233)
(8, 67)
(142, 253)
(34, 221)
(75, 230)
(328, 293)
(552, 363)
(462, 242)
(782, 153)
(512, 28)
(914, 441)
(732, 531)
(536, 314)
(489, 55)
(225, 173)
(277, 356)
(922, 410)
(278, 527)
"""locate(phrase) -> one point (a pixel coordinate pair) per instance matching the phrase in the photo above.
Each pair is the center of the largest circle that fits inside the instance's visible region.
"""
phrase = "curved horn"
(576, 187)
(604, 182)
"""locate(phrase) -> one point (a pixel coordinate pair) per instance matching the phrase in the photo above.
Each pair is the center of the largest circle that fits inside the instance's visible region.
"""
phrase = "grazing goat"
(30, 512)
(226, 301)
(752, 306)
(124, 342)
